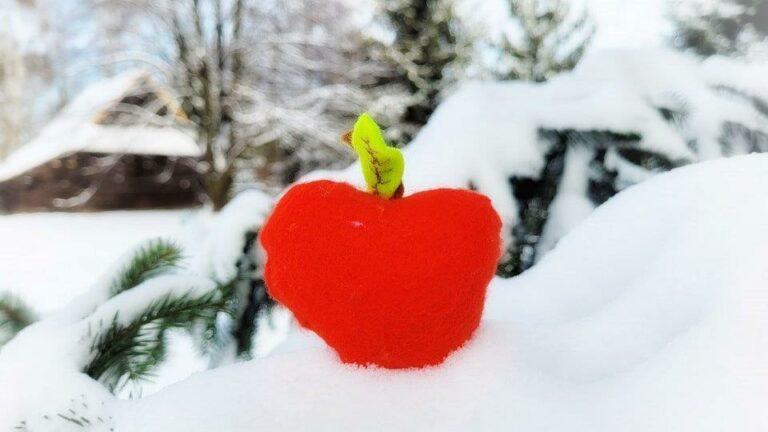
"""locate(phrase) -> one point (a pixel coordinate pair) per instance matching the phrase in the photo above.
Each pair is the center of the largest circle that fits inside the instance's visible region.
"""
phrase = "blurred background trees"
(425, 47)
(12, 76)
(728, 27)
(545, 39)
(268, 86)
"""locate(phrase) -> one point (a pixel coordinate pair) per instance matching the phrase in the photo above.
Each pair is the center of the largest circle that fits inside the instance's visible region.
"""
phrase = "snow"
(79, 247)
(225, 239)
(75, 129)
(741, 76)
(650, 315)
(487, 132)
(75, 247)
(570, 206)
(647, 314)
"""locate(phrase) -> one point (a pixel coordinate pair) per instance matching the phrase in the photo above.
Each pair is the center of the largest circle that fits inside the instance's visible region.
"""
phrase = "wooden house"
(120, 144)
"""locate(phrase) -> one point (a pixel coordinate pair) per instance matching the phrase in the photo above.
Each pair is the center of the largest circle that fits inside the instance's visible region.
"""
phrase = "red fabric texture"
(396, 283)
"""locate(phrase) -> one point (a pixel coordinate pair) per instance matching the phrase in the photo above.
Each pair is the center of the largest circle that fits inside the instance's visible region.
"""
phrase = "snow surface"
(75, 248)
(224, 242)
(79, 247)
(650, 315)
(571, 205)
(75, 130)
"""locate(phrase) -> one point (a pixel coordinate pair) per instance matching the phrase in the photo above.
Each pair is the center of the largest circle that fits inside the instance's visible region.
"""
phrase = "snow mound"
(650, 315)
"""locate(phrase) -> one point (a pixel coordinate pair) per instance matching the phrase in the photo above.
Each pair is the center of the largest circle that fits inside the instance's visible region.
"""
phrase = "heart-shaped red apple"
(397, 283)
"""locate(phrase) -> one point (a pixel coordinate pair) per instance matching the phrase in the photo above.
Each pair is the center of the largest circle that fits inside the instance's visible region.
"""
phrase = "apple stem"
(399, 191)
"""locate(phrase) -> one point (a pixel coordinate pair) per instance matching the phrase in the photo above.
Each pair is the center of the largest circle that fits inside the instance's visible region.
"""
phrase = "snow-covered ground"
(49, 259)
(651, 315)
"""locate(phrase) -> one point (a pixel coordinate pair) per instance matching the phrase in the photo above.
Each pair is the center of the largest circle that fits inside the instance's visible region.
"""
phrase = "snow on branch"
(127, 333)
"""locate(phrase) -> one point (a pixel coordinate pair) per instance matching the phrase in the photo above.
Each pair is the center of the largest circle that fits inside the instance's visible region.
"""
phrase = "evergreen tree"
(426, 56)
(536, 195)
(548, 41)
(607, 156)
(729, 27)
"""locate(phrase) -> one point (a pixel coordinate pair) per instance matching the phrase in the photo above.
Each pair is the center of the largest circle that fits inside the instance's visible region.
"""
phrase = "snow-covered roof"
(77, 128)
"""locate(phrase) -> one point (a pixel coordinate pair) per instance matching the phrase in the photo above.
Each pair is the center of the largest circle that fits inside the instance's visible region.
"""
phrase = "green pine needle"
(130, 352)
(155, 257)
(14, 316)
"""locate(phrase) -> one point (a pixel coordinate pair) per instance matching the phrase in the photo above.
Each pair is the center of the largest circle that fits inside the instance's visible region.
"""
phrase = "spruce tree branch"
(155, 257)
(14, 316)
(132, 344)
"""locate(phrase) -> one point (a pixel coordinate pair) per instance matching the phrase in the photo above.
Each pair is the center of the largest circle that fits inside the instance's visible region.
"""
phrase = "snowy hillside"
(651, 315)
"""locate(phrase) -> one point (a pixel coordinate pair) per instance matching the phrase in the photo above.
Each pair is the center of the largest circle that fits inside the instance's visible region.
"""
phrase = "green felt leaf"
(382, 165)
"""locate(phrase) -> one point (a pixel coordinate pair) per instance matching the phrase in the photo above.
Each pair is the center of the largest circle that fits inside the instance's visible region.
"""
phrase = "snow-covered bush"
(124, 350)
(725, 27)
(648, 316)
(547, 154)
(230, 254)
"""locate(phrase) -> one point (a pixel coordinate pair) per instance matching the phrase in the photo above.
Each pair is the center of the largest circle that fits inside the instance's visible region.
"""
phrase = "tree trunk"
(219, 188)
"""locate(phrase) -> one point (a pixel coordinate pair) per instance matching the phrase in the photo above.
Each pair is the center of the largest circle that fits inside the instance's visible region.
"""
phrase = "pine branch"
(130, 352)
(214, 335)
(125, 352)
(245, 300)
(14, 316)
(152, 259)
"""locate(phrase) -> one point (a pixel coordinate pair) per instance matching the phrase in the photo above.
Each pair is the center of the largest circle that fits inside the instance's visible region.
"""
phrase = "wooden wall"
(95, 181)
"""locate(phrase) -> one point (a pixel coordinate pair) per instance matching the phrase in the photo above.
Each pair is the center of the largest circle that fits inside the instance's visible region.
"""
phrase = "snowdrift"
(651, 315)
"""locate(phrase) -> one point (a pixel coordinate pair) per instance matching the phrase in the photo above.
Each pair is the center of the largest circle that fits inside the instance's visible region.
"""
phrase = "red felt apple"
(397, 283)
